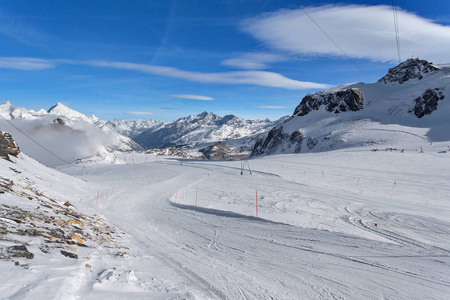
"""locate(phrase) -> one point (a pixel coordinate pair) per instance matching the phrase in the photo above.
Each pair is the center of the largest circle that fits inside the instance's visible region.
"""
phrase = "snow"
(363, 215)
(315, 236)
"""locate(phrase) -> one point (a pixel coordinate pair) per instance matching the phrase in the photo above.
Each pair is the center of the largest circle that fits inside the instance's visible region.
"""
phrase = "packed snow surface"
(332, 225)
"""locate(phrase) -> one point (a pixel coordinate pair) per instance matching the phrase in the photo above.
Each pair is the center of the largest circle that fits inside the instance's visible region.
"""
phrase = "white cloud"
(253, 60)
(138, 113)
(272, 107)
(261, 78)
(193, 97)
(26, 63)
(361, 31)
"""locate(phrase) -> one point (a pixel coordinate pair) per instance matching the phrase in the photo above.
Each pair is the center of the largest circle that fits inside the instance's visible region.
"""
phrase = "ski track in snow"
(316, 238)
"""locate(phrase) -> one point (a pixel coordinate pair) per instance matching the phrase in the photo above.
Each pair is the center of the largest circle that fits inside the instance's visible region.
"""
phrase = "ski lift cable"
(332, 40)
(43, 147)
(397, 34)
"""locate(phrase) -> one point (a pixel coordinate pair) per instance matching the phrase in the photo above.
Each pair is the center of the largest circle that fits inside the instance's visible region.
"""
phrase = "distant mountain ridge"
(71, 135)
(408, 107)
(202, 129)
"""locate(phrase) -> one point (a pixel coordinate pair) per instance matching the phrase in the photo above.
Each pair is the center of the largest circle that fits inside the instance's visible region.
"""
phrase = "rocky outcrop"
(275, 138)
(428, 102)
(337, 102)
(410, 69)
(220, 151)
(48, 225)
(8, 146)
(59, 121)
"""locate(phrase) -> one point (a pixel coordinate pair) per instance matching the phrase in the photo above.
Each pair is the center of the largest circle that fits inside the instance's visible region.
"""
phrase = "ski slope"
(334, 225)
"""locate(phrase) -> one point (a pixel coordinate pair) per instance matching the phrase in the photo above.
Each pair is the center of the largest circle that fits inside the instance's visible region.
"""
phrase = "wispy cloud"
(272, 107)
(362, 31)
(260, 78)
(253, 60)
(26, 63)
(138, 113)
(193, 97)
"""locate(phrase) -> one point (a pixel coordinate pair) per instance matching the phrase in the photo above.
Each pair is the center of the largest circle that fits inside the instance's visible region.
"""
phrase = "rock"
(19, 251)
(220, 151)
(337, 102)
(271, 143)
(410, 69)
(76, 223)
(69, 254)
(428, 102)
(59, 121)
(8, 146)
(297, 138)
(77, 239)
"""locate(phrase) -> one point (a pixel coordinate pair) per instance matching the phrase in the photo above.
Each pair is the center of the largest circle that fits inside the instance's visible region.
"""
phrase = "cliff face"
(337, 102)
(428, 102)
(8, 146)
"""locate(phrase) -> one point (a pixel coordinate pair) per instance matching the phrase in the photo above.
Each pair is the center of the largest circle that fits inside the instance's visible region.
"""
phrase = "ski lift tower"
(243, 163)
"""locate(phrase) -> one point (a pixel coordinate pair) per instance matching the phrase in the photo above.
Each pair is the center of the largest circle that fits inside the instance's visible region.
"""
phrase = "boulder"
(8, 146)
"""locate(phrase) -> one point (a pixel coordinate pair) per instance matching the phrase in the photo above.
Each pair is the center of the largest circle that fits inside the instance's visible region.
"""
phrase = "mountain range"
(62, 135)
(405, 109)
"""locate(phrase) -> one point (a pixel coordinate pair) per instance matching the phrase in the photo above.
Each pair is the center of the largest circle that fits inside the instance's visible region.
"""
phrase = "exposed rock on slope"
(340, 101)
(410, 69)
(8, 146)
(39, 220)
(220, 151)
(428, 102)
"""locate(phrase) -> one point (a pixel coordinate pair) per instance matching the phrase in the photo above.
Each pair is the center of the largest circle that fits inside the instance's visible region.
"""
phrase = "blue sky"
(166, 59)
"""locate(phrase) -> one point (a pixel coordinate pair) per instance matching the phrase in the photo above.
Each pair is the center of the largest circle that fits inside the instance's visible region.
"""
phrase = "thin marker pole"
(96, 202)
(256, 203)
(196, 193)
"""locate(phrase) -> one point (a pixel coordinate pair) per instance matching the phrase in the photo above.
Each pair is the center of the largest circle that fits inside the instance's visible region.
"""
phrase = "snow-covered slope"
(50, 237)
(204, 128)
(409, 108)
(330, 225)
(67, 134)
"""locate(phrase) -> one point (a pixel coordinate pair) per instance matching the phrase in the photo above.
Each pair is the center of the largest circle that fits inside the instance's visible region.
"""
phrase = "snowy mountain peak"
(410, 69)
(6, 104)
(61, 109)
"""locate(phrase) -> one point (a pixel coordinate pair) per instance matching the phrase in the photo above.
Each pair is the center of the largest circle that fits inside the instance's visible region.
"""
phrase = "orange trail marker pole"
(107, 194)
(96, 202)
(196, 193)
(256, 203)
